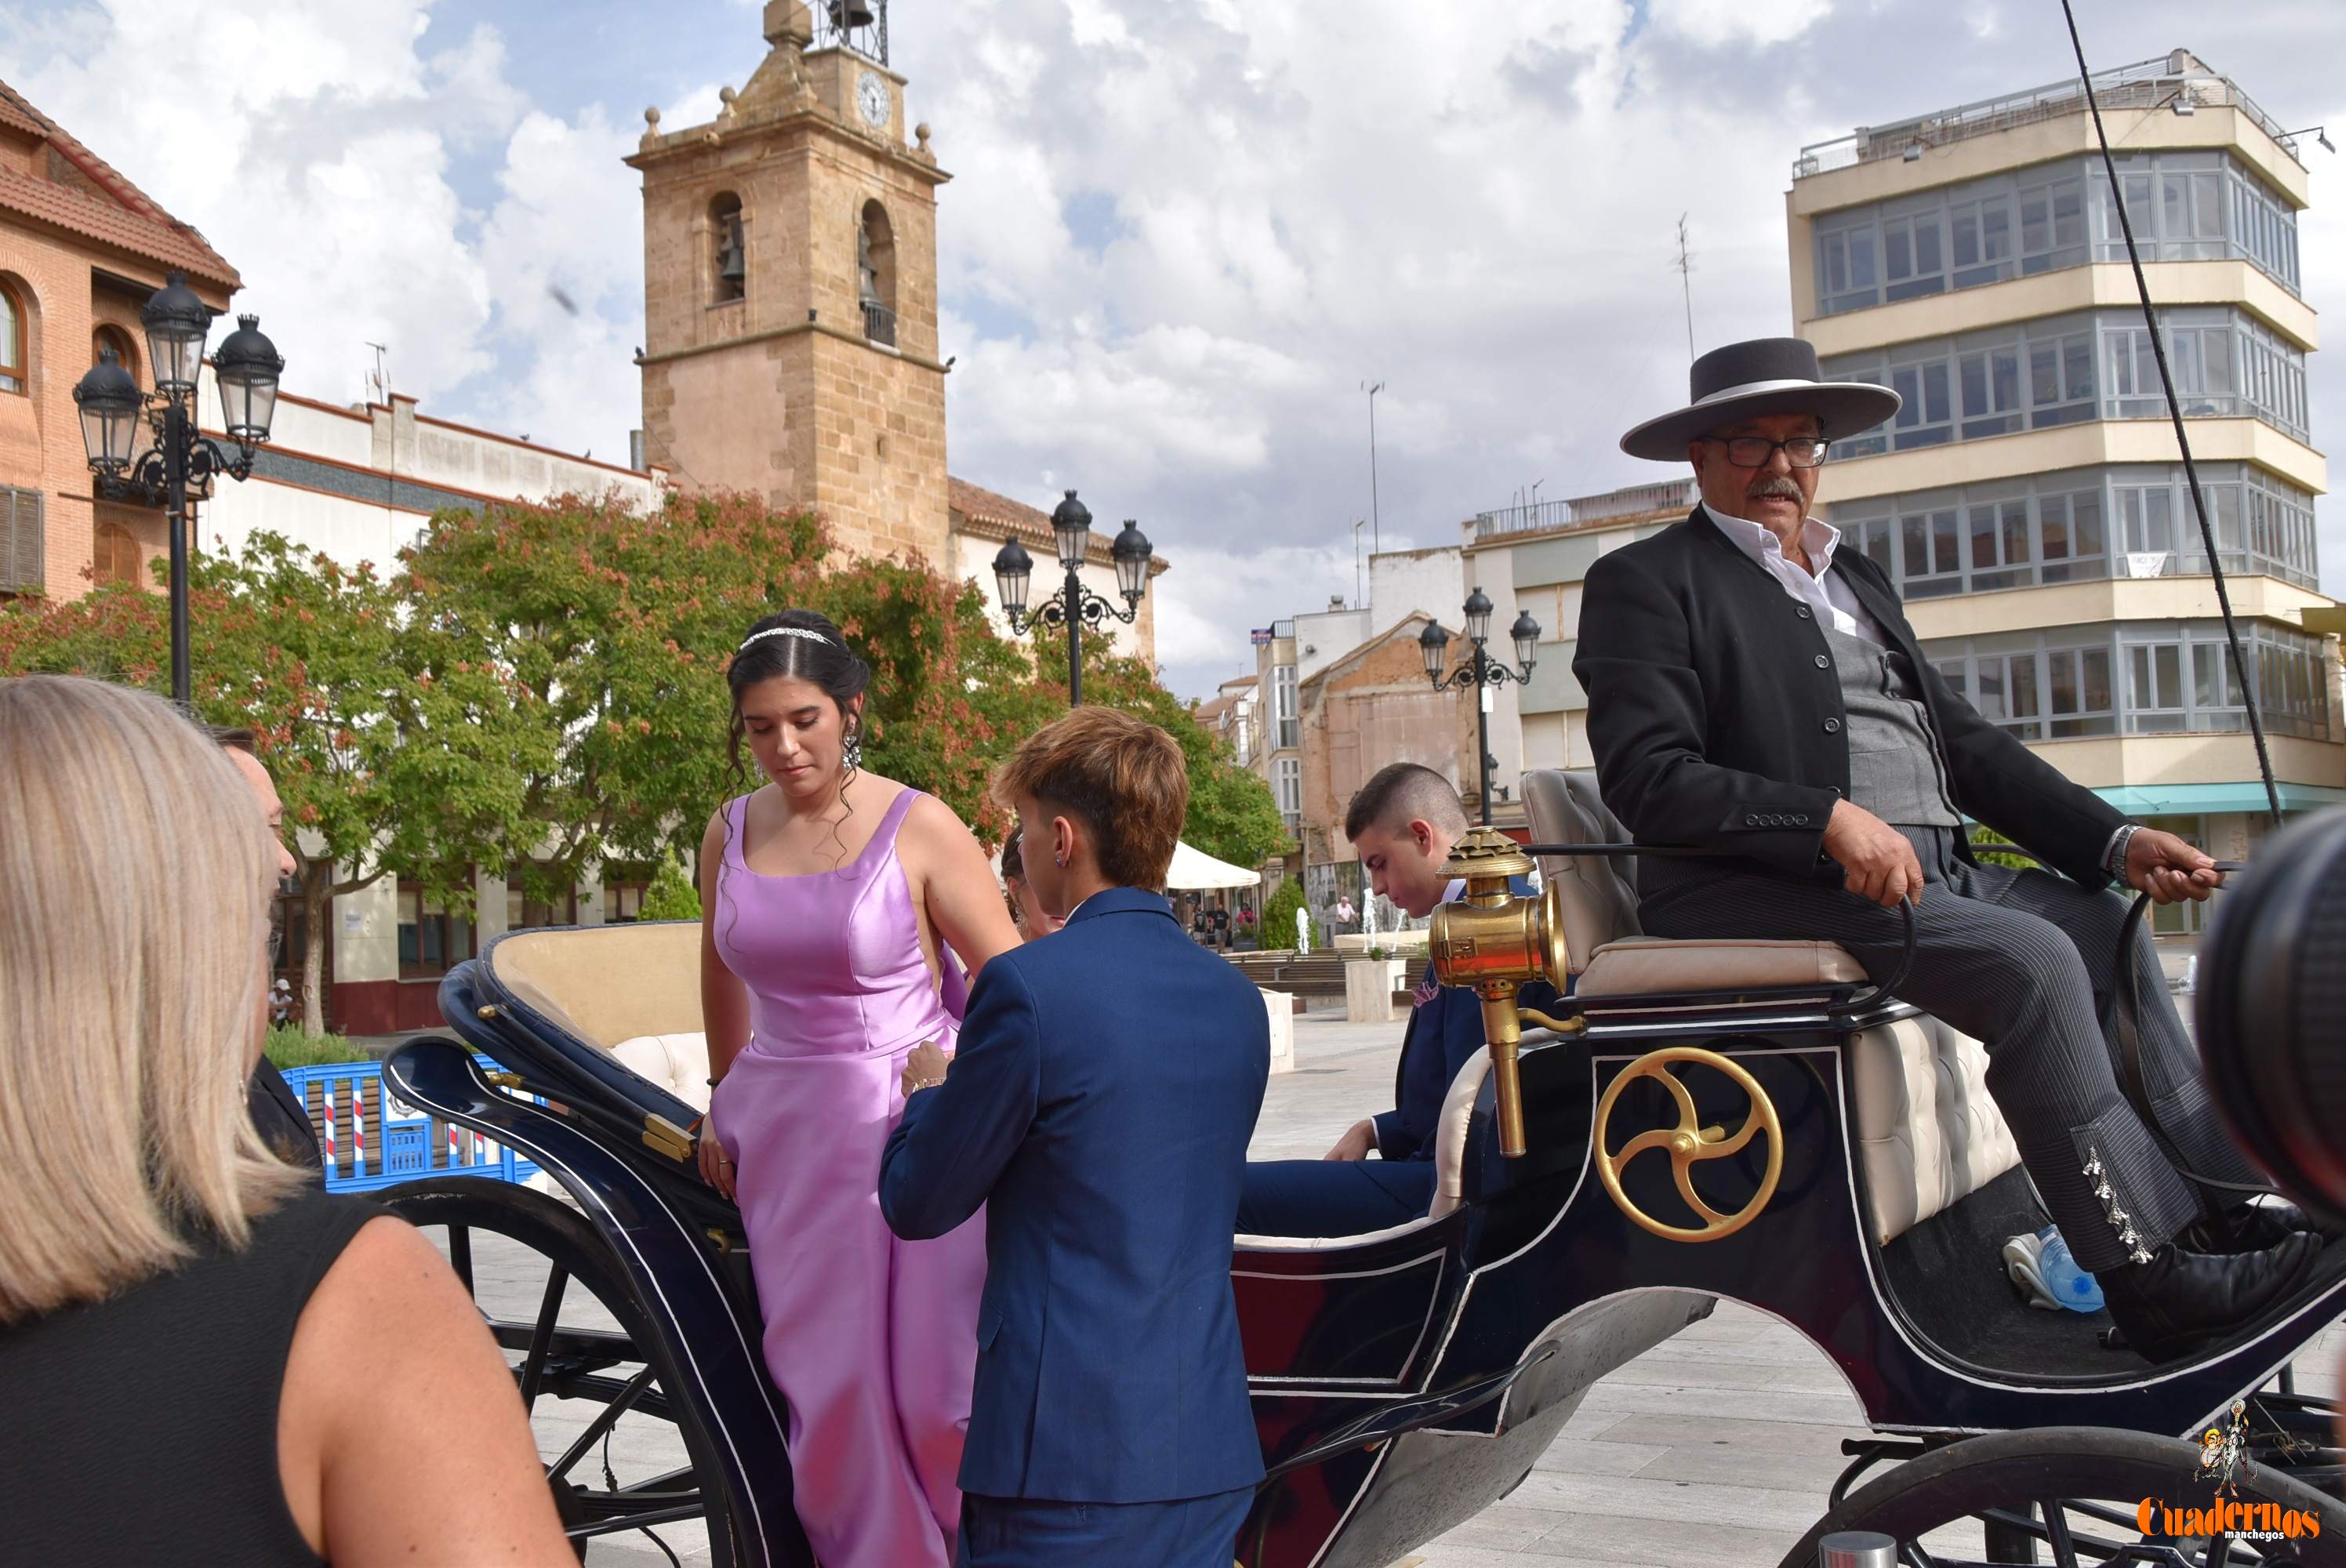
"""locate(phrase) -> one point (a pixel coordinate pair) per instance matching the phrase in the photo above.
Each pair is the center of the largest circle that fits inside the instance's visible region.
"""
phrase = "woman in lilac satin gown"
(834, 902)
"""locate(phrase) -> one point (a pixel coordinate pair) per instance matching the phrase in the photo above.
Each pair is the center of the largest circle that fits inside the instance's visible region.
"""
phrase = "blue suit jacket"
(1444, 1030)
(1107, 1081)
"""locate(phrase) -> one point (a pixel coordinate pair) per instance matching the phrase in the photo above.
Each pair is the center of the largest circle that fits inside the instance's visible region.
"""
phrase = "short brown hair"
(1402, 793)
(232, 737)
(1122, 778)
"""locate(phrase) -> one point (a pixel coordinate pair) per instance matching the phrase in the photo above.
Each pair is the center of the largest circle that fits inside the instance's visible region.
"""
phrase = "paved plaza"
(1715, 1448)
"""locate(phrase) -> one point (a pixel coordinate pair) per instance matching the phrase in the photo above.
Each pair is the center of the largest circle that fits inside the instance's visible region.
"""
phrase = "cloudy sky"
(1180, 236)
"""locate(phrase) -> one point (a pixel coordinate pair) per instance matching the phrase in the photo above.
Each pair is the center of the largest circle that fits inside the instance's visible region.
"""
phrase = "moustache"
(1775, 484)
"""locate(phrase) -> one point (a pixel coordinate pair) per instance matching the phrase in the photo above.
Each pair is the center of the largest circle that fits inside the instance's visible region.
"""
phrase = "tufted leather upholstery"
(677, 1063)
(1928, 1131)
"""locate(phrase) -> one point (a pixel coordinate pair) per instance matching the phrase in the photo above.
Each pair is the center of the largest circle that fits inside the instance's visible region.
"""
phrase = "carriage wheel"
(621, 1454)
(2066, 1496)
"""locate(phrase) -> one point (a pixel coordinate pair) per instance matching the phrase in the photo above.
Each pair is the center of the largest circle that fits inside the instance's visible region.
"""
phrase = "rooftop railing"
(1631, 500)
(2176, 77)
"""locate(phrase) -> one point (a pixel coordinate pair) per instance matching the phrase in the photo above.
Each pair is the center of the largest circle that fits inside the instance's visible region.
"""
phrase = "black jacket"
(1714, 712)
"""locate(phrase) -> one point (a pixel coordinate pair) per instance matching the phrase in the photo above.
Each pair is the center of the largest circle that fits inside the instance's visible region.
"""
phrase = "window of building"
(2129, 520)
(2185, 205)
(115, 557)
(729, 249)
(16, 340)
(114, 337)
(623, 901)
(1287, 784)
(1283, 689)
(523, 912)
(2035, 374)
(23, 540)
(875, 268)
(433, 938)
(2170, 677)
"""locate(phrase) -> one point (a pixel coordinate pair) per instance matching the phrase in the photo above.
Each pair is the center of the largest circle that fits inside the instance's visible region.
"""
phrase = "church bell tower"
(791, 288)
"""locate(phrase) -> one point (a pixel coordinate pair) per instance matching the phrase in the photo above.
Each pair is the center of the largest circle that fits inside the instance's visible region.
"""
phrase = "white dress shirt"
(1828, 596)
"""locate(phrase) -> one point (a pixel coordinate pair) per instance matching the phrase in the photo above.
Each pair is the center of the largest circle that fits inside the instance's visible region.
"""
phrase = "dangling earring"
(855, 747)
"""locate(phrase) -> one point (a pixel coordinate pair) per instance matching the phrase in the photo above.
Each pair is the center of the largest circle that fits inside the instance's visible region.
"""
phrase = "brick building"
(81, 249)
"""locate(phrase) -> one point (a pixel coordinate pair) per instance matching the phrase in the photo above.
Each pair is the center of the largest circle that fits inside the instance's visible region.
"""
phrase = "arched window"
(115, 557)
(875, 269)
(16, 340)
(728, 251)
(117, 339)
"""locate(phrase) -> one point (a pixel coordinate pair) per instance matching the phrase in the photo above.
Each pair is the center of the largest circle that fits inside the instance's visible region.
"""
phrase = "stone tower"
(791, 290)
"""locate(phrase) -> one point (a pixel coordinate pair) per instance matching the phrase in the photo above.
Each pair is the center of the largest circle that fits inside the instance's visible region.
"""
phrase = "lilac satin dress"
(871, 1340)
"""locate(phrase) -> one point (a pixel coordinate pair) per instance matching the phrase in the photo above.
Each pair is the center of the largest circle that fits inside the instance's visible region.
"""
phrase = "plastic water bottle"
(2068, 1283)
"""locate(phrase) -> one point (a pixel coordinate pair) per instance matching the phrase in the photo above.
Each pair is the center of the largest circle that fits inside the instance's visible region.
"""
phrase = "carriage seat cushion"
(1928, 1132)
(677, 1063)
(1639, 966)
(1451, 1130)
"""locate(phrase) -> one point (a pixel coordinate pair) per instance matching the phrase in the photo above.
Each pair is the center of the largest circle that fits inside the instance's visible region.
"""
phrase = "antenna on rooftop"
(378, 379)
(1685, 266)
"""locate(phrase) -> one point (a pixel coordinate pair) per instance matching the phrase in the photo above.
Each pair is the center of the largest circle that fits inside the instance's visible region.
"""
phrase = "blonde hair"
(136, 875)
(1122, 778)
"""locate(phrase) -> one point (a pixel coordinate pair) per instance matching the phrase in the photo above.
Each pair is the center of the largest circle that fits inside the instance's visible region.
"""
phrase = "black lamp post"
(1073, 606)
(112, 409)
(1480, 674)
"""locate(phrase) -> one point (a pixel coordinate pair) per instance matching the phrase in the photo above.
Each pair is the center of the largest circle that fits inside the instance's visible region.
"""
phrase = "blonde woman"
(290, 1376)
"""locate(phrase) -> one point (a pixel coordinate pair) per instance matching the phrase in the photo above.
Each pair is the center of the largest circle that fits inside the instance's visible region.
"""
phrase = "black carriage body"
(1403, 1382)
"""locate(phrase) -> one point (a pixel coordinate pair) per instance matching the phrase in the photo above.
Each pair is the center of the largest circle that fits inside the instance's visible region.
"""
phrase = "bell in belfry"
(849, 14)
(731, 260)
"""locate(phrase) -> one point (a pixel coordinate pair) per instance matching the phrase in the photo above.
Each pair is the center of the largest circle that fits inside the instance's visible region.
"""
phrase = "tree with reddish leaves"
(395, 756)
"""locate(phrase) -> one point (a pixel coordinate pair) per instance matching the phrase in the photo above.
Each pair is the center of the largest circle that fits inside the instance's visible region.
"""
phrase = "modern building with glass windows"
(2028, 498)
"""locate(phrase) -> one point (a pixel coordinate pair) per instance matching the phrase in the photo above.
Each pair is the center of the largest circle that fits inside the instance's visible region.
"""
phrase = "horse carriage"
(1752, 1120)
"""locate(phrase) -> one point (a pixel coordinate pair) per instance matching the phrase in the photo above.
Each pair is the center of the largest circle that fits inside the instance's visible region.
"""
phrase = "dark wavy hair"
(820, 656)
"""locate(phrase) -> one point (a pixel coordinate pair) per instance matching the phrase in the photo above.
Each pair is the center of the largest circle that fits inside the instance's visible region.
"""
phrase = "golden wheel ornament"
(1689, 1142)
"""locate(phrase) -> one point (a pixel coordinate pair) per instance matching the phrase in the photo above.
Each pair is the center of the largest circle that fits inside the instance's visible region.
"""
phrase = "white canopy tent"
(1193, 870)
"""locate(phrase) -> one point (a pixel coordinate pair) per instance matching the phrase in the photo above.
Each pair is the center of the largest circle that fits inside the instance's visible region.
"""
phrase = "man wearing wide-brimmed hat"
(1756, 690)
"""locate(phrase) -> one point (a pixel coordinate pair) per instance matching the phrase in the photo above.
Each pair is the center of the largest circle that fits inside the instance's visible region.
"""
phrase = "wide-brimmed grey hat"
(1765, 375)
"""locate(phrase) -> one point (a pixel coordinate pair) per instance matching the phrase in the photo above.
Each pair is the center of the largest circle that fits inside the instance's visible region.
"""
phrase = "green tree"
(393, 744)
(672, 893)
(621, 626)
(1279, 916)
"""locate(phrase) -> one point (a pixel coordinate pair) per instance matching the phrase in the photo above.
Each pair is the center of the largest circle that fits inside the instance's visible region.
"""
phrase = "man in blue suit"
(1404, 822)
(1107, 1080)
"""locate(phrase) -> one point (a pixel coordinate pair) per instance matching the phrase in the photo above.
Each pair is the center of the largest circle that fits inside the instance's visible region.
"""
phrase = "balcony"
(878, 323)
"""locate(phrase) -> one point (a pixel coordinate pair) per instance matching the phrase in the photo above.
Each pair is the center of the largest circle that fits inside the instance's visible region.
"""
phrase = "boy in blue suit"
(1107, 1081)
(1404, 824)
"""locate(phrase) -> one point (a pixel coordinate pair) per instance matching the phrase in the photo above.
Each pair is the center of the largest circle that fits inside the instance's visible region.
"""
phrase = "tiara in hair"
(783, 632)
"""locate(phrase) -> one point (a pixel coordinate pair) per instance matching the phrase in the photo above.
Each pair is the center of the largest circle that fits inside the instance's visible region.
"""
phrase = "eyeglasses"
(1754, 451)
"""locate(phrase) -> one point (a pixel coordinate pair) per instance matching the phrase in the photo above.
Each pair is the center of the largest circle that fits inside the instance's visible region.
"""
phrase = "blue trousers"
(1333, 1197)
(1034, 1533)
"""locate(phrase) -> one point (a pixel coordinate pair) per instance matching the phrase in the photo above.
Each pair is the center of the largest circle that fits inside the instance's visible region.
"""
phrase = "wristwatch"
(2113, 856)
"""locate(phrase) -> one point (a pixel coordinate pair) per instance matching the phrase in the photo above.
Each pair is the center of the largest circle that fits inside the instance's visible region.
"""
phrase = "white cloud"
(1720, 23)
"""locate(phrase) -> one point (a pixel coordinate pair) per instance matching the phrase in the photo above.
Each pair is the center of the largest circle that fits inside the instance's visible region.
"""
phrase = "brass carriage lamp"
(1494, 943)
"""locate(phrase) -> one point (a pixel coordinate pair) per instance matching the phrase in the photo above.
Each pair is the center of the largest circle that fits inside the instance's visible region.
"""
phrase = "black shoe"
(2257, 1226)
(2179, 1300)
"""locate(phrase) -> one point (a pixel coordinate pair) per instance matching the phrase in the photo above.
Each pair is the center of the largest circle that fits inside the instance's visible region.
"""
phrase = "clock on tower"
(789, 288)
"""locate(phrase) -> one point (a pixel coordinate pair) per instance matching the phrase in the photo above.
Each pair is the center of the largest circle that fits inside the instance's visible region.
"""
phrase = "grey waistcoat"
(1895, 770)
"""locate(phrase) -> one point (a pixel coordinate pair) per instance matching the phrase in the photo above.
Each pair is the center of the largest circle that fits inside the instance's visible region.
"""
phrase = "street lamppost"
(1480, 674)
(112, 408)
(1073, 606)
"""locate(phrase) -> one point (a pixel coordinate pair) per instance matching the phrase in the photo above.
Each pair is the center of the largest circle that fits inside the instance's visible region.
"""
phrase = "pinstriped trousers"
(2018, 959)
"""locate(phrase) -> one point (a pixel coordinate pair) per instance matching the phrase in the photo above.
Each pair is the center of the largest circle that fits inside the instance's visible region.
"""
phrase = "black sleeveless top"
(143, 1429)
